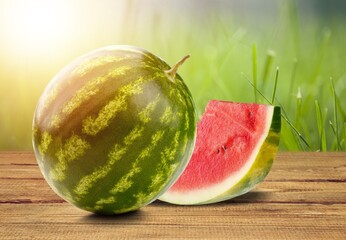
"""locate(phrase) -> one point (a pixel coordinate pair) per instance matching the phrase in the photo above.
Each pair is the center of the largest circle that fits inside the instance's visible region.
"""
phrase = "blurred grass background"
(234, 45)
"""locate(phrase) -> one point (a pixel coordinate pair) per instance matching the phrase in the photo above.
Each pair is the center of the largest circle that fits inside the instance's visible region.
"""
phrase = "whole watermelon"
(114, 129)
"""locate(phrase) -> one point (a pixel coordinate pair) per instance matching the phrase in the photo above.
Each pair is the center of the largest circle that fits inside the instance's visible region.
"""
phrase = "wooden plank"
(37, 190)
(20, 171)
(160, 221)
(26, 191)
(306, 166)
(17, 158)
(299, 166)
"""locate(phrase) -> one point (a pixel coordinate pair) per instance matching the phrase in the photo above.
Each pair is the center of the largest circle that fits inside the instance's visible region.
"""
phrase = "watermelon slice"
(235, 148)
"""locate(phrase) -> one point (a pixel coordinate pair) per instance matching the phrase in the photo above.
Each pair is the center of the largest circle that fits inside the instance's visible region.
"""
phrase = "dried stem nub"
(173, 71)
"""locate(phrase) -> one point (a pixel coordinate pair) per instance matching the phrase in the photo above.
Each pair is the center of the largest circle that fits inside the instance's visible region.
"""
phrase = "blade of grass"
(267, 65)
(323, 49)
(275, 85)
(293, 18)
(292, 79)
(335, 116)
(257, 90)
(298, 109)
(335, 143)
(344, 136)
(320, 125)
(254, 70)
(301, 138)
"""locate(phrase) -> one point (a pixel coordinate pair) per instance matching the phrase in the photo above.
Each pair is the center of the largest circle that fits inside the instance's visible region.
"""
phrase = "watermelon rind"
(254, 171)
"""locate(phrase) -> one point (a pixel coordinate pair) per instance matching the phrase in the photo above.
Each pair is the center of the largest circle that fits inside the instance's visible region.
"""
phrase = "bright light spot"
(35, 25)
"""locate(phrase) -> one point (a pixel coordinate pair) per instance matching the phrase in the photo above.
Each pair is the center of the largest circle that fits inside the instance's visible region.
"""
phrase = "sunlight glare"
(36, 25)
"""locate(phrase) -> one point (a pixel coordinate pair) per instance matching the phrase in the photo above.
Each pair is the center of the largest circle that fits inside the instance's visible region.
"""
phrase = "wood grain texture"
(303, 197)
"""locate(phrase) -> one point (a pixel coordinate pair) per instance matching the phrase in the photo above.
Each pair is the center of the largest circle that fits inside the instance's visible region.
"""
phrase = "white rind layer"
(208, 193)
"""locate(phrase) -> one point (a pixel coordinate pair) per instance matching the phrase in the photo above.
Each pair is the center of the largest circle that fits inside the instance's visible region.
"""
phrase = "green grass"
(287, 61)
(224, 56)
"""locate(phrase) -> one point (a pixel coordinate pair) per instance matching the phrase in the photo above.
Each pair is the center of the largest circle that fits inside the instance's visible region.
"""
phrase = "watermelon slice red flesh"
(235, 147)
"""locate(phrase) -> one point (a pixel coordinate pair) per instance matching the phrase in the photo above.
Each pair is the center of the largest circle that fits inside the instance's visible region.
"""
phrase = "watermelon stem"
(173, 71)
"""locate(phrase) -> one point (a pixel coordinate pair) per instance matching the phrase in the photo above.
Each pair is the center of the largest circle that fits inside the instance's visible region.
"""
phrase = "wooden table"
(304, 197)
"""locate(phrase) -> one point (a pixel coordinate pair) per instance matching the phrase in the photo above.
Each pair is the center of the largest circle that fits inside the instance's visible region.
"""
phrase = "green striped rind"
(262, 164)
(111, 132)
